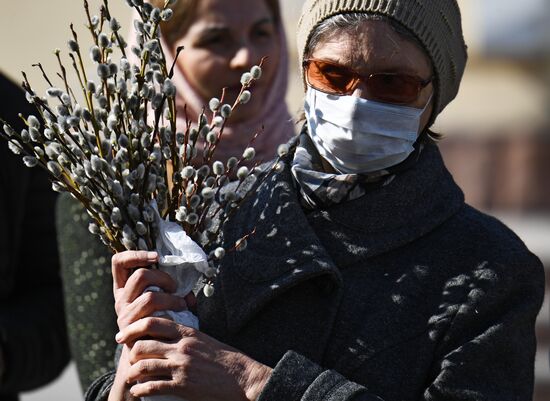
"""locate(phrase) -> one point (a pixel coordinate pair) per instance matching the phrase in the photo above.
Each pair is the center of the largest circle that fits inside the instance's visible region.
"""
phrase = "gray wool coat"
(406, 293)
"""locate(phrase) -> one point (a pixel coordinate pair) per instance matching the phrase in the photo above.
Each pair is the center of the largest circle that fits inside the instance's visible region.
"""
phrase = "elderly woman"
(368, 277)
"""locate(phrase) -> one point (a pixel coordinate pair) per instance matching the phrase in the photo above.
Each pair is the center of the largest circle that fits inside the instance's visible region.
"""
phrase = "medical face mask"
(358, 136)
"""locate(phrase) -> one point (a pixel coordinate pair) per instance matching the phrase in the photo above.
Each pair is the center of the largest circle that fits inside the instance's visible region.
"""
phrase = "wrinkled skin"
(382, 50)
(163, 357)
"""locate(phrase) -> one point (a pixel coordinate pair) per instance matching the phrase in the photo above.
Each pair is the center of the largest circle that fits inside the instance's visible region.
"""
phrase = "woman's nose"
(242, 59)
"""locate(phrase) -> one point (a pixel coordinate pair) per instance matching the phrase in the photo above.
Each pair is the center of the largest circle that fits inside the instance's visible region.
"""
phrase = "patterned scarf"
(320, 189)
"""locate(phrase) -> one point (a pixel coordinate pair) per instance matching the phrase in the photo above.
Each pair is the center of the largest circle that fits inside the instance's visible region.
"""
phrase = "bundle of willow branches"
(118, 151)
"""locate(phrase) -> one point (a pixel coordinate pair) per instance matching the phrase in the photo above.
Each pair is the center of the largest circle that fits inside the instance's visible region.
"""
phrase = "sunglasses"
(335, 79)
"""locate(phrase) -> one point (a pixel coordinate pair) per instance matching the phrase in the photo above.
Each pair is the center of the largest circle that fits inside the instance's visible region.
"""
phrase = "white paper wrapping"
(185, 261)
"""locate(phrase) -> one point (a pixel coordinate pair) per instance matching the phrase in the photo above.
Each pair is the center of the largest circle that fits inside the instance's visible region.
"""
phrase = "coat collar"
(415, 203)
(290, 247)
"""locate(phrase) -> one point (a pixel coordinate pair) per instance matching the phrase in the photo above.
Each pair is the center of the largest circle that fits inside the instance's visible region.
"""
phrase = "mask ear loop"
(422, 113)
(428, 102)
(423, 136)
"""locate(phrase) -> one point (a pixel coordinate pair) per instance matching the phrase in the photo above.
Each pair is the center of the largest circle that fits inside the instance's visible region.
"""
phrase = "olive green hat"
(435, 23)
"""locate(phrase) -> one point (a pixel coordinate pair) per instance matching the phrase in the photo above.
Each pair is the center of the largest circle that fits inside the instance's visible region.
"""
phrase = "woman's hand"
(130, 279)
(131, 304)
(177, 360)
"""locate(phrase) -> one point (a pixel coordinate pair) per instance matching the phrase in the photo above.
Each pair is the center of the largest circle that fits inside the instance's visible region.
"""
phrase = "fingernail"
(118, 337)
(151, 255)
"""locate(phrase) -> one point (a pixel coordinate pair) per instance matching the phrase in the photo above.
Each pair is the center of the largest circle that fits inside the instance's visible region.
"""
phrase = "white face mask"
(356, 135)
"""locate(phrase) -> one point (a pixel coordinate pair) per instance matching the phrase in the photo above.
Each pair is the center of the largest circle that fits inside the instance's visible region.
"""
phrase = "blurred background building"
(497, 131)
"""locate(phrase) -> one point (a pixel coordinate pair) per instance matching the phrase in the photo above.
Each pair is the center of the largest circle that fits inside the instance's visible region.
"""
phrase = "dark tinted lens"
(394, 88)
(330, 78)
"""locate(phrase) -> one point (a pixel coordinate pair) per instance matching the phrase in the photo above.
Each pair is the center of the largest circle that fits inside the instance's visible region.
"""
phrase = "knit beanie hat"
(435, 23)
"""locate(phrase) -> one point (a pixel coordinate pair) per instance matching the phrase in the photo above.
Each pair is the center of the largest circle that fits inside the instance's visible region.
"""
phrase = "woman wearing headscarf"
(221, 41)
(368, 277)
